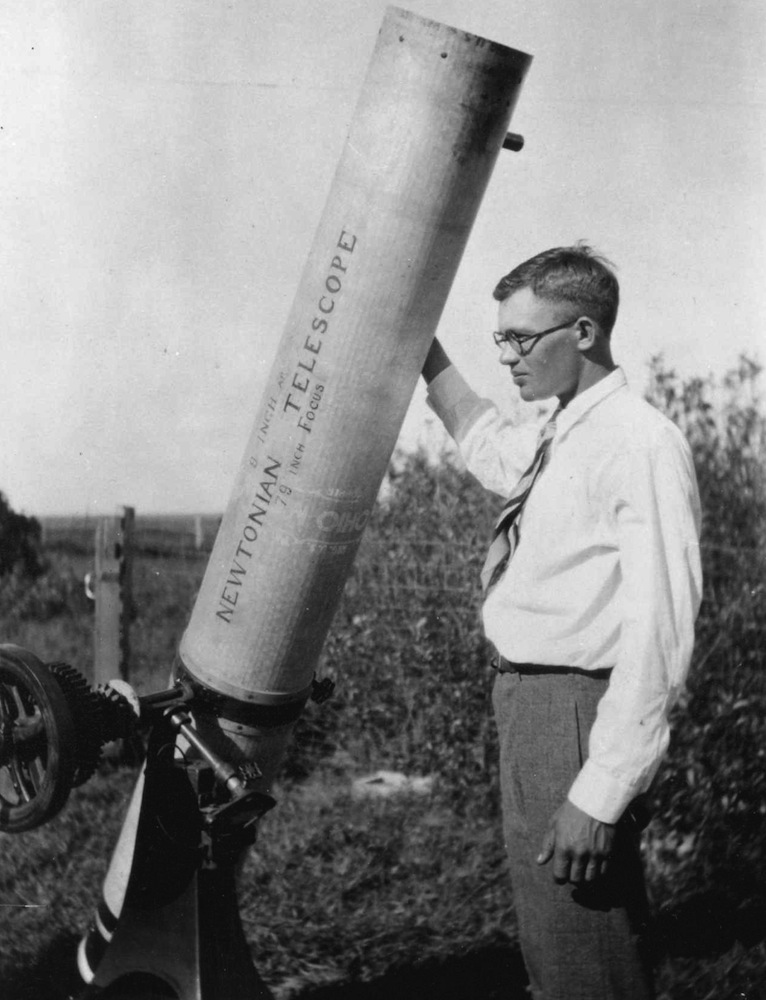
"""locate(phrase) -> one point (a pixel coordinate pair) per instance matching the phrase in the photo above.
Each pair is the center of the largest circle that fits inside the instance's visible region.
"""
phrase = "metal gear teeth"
(84, 704)
(117, 716)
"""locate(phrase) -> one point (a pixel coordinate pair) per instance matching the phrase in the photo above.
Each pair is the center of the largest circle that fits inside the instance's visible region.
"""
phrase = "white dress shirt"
(607, 569)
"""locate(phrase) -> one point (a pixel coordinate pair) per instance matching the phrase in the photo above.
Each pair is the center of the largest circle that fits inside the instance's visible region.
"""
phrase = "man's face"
(553, 366)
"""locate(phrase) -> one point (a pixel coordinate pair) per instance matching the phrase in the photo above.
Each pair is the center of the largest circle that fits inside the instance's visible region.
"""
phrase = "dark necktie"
(506, 534)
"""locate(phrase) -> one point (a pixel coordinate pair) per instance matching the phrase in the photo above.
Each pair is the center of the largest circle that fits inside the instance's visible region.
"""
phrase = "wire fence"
(181, 546)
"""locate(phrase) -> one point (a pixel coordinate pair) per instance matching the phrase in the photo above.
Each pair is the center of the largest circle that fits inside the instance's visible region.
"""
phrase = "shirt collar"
(586, 401)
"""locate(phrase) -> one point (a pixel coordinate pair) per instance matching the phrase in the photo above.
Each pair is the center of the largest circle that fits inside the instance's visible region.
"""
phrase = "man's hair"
(573, 274)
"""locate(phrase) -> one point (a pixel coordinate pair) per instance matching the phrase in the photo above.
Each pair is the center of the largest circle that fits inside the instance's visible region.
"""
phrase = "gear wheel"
(118, 712)
(37, 742)
(87, 715)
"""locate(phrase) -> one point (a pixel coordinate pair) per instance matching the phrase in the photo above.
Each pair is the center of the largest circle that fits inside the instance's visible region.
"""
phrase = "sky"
(164, 167)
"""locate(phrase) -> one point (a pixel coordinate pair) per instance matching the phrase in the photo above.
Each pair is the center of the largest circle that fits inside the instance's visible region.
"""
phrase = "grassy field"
(358, 899)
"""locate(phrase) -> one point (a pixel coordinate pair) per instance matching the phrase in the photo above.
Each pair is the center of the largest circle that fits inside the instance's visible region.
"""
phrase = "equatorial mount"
(198, 814)
(53, 728)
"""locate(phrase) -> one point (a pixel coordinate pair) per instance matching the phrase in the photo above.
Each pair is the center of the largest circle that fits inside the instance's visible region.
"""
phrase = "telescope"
(431, 120)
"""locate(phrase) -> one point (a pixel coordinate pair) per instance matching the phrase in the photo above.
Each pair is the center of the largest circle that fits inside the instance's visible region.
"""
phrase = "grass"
(338, 890)
(396, 883)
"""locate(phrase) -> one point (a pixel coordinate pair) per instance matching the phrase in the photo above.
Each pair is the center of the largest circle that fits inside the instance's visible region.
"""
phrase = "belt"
(504, 666)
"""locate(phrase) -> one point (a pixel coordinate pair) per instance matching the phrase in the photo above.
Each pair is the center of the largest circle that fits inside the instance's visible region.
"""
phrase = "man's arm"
(494, 449)
(656, 517)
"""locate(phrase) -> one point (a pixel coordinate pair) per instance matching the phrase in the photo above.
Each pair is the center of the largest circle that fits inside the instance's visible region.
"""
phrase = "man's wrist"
(599, 794)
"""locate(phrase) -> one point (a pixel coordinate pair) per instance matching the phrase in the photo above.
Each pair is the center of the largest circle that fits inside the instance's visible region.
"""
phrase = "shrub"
(707, 841)
(406, 645)
(726, 429)
(29, 588)
(52, 593)
(19, 542)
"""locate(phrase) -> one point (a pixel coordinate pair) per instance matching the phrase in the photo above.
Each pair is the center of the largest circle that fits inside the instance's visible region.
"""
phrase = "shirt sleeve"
(656, 515)
(494, 448)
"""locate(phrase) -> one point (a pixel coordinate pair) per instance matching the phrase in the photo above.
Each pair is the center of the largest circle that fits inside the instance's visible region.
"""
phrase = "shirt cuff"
(455, 402)
(600, 794)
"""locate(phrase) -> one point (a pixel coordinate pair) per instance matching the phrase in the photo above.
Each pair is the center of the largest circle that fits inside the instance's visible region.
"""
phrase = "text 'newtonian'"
(242, 559)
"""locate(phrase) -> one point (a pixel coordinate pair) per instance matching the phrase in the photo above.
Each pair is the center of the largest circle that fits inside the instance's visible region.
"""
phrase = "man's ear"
(587, 333)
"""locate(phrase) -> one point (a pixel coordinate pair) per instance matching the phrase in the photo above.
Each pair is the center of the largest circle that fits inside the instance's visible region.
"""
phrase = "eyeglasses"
(519, 342)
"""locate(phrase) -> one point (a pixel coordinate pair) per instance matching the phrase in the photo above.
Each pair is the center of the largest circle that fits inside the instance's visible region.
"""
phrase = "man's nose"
(508, 355)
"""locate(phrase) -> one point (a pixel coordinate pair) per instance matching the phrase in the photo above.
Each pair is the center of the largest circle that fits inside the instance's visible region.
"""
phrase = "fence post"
(113, 580)
(199, 534)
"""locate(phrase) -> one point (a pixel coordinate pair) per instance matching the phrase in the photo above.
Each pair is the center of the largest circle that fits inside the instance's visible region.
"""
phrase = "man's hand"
(579, 845)
(436, 361)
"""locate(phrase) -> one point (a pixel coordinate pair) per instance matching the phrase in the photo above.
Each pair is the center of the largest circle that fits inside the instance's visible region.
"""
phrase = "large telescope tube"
(430, 122)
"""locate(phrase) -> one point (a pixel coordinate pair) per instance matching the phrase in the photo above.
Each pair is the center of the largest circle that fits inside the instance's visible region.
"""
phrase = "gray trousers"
(577, 943)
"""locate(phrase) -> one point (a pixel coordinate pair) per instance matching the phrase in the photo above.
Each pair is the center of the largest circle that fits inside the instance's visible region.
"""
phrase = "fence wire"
(445, 570)
(450, 572)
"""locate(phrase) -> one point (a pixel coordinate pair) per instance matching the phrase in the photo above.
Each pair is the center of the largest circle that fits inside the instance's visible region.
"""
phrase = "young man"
(592, 586)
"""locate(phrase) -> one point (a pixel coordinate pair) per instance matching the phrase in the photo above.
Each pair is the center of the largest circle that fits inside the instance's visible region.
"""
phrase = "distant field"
(176, 533)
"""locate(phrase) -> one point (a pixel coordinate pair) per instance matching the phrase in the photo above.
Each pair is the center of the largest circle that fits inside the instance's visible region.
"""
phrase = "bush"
(29, 588)
(19, 542)
(406, 645)
(707, 843)
(726, 429)
(52, 593)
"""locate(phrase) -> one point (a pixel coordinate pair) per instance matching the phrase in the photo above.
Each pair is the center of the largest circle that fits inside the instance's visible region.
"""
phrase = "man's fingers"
(597, 867)
(593, 870)
(546, 851)
(583, 868)
(579, 868)
(578, 844)
(561, 863)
